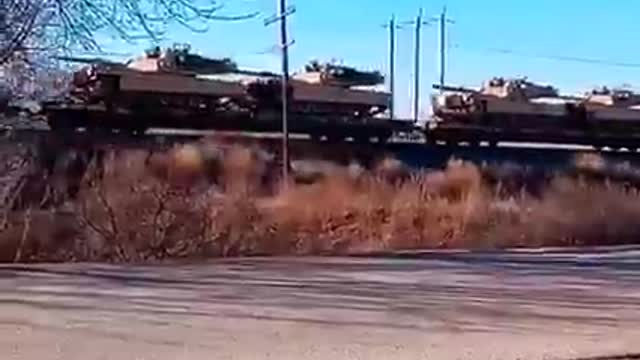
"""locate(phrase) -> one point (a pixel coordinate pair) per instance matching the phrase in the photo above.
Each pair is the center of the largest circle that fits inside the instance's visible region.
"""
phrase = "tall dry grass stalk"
(195, 201)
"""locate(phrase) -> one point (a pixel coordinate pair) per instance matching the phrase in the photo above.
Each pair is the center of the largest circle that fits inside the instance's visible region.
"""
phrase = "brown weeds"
(198, 202)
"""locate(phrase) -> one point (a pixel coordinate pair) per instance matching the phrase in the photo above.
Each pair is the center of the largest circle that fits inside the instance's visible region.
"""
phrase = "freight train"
(174, 88)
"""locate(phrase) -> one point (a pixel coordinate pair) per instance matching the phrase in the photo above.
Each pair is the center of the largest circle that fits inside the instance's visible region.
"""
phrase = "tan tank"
(174, 85)
(519, 110)
(180, 59)
(621, 98)
(331, 90)
(321, 88)
(518, 89)
(173, 77)
(332, 74)
(502, 96)
(612, 104)
(307, 88)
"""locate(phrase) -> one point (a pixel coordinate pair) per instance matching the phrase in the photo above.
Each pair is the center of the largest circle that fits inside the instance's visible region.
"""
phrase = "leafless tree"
(27, 25)
(18, 20)
(31, 30)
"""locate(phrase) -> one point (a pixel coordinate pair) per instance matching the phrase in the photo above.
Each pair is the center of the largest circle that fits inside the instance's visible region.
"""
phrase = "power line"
(576, 59)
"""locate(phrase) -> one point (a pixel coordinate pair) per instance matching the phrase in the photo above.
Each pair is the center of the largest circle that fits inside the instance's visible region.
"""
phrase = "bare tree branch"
(69, 24)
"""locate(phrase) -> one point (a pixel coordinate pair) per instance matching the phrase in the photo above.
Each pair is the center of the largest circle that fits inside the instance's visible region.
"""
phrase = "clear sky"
(351, 31)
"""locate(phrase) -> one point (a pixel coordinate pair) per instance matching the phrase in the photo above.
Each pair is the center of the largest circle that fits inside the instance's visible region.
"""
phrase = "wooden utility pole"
(392, 63)
(416, 85)
(443, 45)
(285, 90)
(283, 12)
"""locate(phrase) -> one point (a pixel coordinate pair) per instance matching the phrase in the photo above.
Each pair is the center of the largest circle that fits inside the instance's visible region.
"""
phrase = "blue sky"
(350, 31)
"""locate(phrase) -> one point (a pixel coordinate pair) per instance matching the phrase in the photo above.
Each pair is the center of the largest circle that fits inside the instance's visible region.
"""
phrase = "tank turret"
(338, 75)
(506, 94)
(179, 59)
(620, 98)
(517, 89)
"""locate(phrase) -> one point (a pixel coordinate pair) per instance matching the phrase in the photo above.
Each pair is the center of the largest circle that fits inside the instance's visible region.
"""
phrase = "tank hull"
(66, 117)
(599, 129)
(515, 111)
(141, 93)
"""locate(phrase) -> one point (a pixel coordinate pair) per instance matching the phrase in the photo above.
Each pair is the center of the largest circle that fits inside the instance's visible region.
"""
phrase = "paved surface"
(440, 306)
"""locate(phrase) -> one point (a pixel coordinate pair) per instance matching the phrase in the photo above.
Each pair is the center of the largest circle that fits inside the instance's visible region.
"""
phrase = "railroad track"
(414, 153)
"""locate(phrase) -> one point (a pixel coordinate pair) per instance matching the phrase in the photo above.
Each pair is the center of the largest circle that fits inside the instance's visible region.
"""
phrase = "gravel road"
(552, 305)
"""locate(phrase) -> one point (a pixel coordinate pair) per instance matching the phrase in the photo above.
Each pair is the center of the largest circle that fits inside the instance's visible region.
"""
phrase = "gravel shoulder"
(441, 306)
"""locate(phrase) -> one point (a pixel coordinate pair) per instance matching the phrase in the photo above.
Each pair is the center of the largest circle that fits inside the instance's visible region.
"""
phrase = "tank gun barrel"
(570, 97)
(467, 90)
(256, 73)
(85, 60)
(453, 88)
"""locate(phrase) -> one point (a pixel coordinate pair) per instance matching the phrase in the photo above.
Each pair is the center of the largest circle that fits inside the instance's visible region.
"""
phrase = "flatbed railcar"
(516, 110)
(176, 89)
(180, 90)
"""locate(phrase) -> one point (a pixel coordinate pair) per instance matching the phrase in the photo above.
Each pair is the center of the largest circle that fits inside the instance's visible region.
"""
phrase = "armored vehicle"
(612, 105)
(522, 111)
(173, 88)
(331, 91)
(340, 75)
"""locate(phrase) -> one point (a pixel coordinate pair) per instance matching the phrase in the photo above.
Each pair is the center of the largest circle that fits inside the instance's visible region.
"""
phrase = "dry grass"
(574, 213)
(196, 201)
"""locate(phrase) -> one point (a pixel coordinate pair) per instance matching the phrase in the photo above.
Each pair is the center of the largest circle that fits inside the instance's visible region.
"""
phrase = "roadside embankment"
(197, 201)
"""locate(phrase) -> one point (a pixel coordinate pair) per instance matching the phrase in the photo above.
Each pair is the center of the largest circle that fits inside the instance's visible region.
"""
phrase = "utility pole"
(418, 22)
(416, 85)
(283, 12)
(443, 44)
(416, 97)
(392, 62)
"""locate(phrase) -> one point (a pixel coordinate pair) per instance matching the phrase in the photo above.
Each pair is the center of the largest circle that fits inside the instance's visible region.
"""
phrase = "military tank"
(163, 88)
(180, 58)
(330, 91)
(612, 105)
(517, 110)
(503, 108)
(173, 88)
(339, 75)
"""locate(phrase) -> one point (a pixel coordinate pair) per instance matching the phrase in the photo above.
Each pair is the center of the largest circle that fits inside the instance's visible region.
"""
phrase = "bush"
(193, 202)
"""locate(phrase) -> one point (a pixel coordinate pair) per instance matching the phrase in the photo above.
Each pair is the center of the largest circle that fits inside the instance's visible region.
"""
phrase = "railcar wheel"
(60, 124)
(138, 130)
(383, 138)
(361, 139)
(334, 139)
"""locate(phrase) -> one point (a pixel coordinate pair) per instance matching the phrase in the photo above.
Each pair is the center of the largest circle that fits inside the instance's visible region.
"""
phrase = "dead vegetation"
(201, 202)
